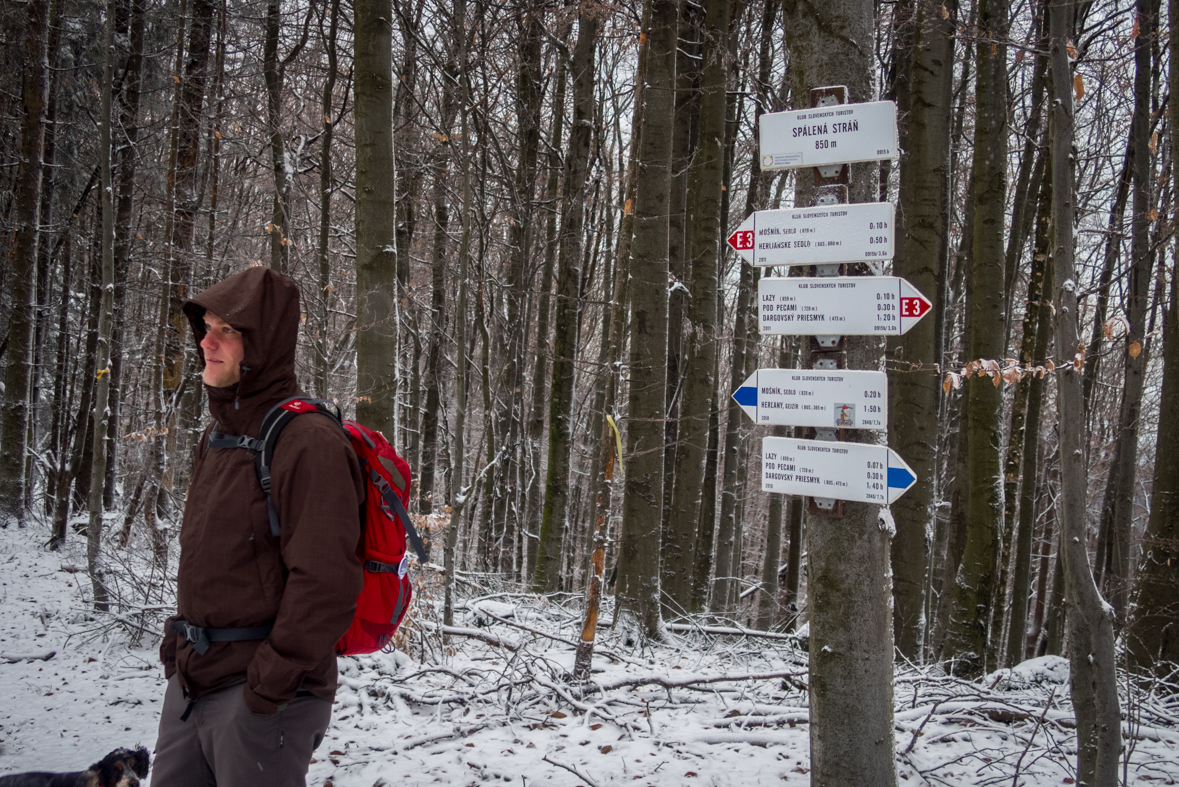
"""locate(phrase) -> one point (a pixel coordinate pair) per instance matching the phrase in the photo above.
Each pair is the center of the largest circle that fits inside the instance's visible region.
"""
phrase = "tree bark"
(924, 99)
(967, 634)
(1117, 579)
(553, 524)
(849, 579)
(638, 567)
(459, 494)
(325, 341)
(1152, 638)
(376, 211)
(1092, 676)
(433, 374)
(1037, 330)
(101, 413)
(705, 184)
(23, 286)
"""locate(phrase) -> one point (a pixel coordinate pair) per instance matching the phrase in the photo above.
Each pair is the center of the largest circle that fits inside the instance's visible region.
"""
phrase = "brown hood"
(264, 306)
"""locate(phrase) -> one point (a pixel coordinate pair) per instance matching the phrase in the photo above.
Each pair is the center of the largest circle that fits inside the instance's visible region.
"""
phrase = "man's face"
(224, 352)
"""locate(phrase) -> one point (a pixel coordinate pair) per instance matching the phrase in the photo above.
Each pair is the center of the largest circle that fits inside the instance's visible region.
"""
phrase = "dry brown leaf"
(1072, 50)
(945, 12)
(1154, 142)
(1040, 372)
(1134, 32)
(1135, 349)
(1153, 215)
(1051, 366)
(1012, 375)
(947, 383)
(1018, 55)
(1078, 87)
(1079, 361)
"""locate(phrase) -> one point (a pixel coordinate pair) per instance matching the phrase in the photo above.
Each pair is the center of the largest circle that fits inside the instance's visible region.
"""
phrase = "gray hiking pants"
(223, 743)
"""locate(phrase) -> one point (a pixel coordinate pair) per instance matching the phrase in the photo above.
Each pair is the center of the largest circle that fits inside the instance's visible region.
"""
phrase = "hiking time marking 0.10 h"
(817, 236)
(842, 305)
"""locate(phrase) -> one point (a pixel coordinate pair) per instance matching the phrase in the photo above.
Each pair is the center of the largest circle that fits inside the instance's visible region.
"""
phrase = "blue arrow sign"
(746, 396)
(861, 472)
(900, 478)
(831, 398)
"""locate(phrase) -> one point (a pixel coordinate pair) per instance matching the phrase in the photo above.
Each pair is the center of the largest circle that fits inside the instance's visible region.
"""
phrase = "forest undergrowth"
(492, 699)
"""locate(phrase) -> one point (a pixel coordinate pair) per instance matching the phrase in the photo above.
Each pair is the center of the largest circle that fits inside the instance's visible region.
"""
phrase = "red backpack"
(382, 549)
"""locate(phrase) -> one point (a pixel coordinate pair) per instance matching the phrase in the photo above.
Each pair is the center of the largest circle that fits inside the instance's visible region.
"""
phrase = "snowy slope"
(706, 710)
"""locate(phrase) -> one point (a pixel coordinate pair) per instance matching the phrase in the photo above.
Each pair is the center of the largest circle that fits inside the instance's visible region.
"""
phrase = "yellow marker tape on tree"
(618, 441)
(101, 372)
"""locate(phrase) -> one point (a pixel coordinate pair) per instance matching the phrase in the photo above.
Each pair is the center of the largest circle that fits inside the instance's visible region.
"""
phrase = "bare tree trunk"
(127, 140)
(407, 163)
(1090, 629)
(23, 286)
(376, 211)
(705, 184)
(638, 567)
(924, 99)
(1152, 638)
(849, 578)
(459, 494)
(553, 525)
(967, 634)
(679, 271)
(324, 342)
(1117, 580)
(521, 235)
(433, 373)
(1037, 329)
(105, 323)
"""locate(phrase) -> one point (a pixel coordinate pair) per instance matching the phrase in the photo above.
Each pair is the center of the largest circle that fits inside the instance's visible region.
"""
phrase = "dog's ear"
(140, 761)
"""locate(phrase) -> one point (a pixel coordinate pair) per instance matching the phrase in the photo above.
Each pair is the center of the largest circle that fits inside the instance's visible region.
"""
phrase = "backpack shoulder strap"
(272, 425)
(394, 507)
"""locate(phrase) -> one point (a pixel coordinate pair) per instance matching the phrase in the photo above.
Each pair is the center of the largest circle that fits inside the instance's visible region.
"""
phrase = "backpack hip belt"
(200, 637)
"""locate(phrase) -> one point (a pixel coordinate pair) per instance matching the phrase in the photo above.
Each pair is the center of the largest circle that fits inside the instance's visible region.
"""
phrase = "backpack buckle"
(194, 634)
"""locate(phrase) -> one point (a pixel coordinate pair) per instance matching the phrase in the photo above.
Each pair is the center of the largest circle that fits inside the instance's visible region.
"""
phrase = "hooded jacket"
(233, 573)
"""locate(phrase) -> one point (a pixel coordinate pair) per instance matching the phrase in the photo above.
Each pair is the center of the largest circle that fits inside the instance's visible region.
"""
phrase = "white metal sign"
(817, 236)
(819, 398)
(839, 305)
(834, 134)
(845, 471)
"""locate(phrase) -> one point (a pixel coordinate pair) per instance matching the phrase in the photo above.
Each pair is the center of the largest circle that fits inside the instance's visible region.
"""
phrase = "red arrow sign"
(741, 240)
(914, 307)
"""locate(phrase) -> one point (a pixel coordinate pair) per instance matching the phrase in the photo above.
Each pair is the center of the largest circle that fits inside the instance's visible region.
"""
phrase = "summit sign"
(836, 134)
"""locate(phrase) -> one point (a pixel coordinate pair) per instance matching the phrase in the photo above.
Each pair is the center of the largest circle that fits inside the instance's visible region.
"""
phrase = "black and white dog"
(120, 768)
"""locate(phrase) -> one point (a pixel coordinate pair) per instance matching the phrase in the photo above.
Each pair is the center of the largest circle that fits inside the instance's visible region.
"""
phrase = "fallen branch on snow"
(572, 769)
(479, 634)
(682, 683)
(12, 658)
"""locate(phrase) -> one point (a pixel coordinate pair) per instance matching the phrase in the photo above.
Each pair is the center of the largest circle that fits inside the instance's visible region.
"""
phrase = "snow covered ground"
(491, 703)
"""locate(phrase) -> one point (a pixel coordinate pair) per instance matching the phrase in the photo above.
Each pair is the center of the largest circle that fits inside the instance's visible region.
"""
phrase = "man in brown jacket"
(250, 658)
